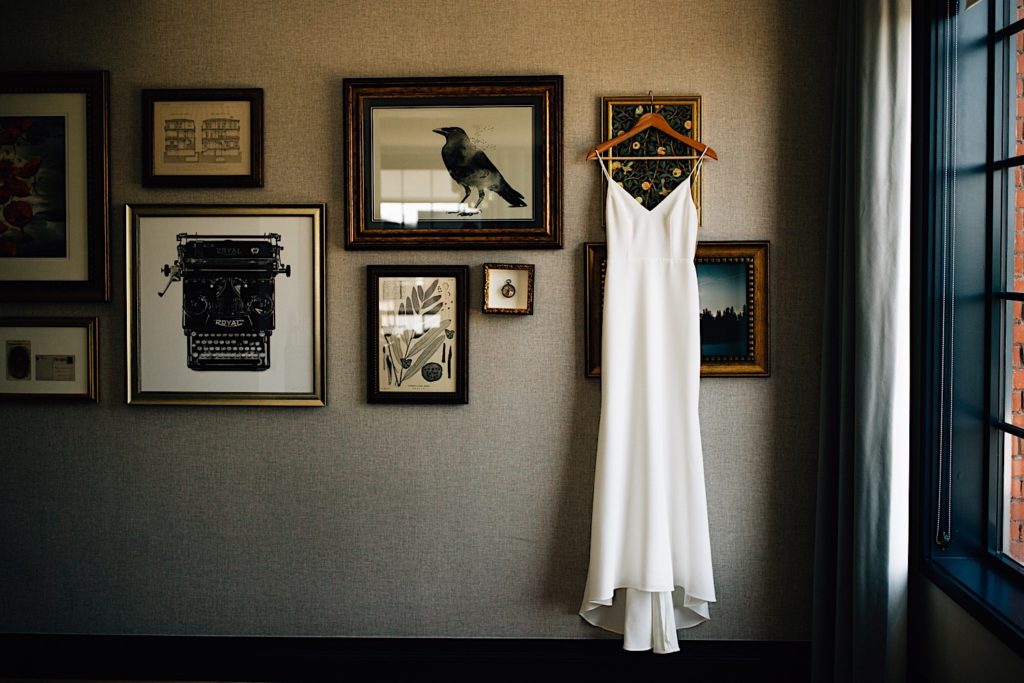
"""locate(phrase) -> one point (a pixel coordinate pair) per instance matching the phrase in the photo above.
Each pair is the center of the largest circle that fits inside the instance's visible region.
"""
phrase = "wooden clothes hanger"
(658, 122)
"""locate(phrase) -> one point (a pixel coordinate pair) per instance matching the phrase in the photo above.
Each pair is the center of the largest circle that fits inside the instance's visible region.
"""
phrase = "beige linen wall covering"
(456, 521)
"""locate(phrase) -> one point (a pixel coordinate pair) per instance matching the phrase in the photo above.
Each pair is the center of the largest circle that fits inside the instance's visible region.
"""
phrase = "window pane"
(1014, 260)
(1012, 389)
(1015, 72)
(1013, 498)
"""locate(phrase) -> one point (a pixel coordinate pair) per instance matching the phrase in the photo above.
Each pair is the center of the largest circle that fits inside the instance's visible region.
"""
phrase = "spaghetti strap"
(693, 171)
(600, 162)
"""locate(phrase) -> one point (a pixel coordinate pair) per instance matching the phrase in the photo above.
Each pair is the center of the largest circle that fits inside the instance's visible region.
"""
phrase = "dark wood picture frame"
(273, 256)
(393, 130)
(89, 380)
(189, 137)
(752, 358)
(86, 200)
(415, 314)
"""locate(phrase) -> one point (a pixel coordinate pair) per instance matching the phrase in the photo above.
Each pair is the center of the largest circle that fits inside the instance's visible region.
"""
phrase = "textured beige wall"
(422, 521)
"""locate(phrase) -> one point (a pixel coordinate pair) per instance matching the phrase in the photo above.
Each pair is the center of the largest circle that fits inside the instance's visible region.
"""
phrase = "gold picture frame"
(650, 180)
(232, 275)
(733, 284)
(508, 288)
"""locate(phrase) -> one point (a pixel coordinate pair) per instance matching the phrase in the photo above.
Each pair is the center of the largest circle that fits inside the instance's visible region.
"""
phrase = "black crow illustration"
(470, 168)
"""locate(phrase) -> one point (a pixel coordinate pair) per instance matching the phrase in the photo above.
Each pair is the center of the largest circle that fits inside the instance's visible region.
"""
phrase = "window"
(969, 320)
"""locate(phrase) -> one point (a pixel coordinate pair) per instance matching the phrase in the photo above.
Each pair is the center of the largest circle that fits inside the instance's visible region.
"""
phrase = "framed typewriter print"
(54, 186)
(202, 138)
(732, 281)
(447, 163)
(226, 304)
(417, 334)
(661, 162)
(49, 359)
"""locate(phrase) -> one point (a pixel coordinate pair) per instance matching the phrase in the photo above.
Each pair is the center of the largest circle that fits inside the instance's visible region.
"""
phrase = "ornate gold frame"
(753, 255)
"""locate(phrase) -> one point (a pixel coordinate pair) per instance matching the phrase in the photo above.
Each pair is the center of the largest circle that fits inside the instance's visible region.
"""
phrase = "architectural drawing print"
(220, 140)
(179, 140)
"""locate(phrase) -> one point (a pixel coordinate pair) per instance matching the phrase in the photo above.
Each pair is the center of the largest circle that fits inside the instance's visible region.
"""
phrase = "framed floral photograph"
(444, 163)
(49, 359)
(54, 186)
(732, 283)
(202, 138)
(652, 164)
(417, 334)
(226, 305)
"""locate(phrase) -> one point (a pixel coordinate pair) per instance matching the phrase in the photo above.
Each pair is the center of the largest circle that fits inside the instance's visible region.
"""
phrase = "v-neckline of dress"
(631, 200)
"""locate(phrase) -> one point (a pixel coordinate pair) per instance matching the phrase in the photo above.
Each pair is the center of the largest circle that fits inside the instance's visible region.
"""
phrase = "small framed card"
(508, 288)
(49, 358)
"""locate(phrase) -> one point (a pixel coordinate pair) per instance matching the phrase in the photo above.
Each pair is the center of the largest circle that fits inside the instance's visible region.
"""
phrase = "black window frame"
(972, 570)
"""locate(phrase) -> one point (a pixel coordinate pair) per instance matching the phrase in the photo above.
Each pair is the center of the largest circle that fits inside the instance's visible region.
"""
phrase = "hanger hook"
(650, 93)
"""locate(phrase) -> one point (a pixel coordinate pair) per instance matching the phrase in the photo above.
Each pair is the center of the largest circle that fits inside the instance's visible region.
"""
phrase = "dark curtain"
(860, 573)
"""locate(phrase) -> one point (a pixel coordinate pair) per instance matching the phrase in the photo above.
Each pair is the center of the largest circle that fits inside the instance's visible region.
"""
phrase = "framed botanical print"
(49, 359)
(662, 163)
(226, 305)
(417, 334)
(732, 284)
(202, 138)
(448, 163)
(54, 186)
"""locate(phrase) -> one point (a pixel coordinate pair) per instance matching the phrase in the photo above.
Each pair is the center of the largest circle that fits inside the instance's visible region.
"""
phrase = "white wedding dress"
(650, 555)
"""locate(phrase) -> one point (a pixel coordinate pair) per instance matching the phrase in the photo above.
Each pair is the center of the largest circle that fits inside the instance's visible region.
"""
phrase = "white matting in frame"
(49, 358)
(72, 217)
(226, 285)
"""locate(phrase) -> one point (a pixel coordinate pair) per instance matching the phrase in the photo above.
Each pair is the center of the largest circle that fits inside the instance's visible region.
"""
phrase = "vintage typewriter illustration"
(227, 298)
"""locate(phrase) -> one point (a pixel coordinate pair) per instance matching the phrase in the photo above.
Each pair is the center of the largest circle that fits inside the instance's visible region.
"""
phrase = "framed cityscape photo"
(54, 186)
(49, 359)
(417, 334)
(664, 162)
(447, 163)
(226, 305)
(732, 283)
(202, 138)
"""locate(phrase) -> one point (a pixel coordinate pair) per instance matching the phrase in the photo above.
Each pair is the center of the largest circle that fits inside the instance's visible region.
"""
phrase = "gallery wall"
(432, 521)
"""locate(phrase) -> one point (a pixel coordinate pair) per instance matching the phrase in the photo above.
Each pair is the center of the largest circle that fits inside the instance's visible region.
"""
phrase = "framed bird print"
(452, 163)
(417, 334)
